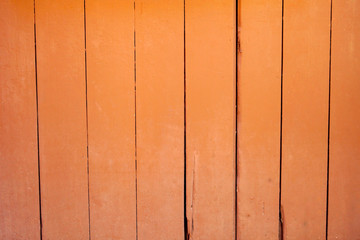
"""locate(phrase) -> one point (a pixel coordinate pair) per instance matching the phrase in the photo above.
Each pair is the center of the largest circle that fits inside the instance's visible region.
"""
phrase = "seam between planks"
(87, 123)
(136, 182)
(186, 230)
(237, 50)
(328, 140)
(37, 122)
(281, 210)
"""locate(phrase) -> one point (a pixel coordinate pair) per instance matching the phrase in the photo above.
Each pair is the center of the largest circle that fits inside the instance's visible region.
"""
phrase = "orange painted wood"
(111, 118)
(19, 186)
(62, 118)
(210, 118)
(344, 178)
(305, 118)
(259, 105)
(159, 27)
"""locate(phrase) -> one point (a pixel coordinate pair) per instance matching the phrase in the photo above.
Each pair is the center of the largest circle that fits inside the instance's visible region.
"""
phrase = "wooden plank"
(210, 118)
(160, 118)
(19, 188)
(305, 118)
(259, 105)
(344, 178)
(111, 120)
(62, 118)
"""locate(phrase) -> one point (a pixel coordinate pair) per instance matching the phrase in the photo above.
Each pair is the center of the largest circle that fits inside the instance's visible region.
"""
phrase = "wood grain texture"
(344, 175)
(210, 118)
(19, 187)
(305, 118)
(111, 118)
(159, 27)
(259, 105)
(62, 118)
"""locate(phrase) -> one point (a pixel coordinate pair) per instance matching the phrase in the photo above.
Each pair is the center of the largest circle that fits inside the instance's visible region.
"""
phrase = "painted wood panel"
(111, 118)
(62, 118)
(259, 106)
(159, 27)
(210, 28)
(19, 186)
(135, 96)
(305, 118)
(344, 175)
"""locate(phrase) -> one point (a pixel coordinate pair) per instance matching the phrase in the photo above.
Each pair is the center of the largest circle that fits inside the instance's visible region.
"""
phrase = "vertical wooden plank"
(259, 105)
(305, 118)
(160, 118)
(210, 118)
(62, 118)
(19, 187)
(111, 110)
(344, 180)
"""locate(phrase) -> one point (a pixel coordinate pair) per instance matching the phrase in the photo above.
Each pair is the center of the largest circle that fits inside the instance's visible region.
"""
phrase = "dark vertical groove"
(281, 223)
(37, 123)
(136, 182)
(237, 40)
(185, 159)
(328, 140)
(87, 122)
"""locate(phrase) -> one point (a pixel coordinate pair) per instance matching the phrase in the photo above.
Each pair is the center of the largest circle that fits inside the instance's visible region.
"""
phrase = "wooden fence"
(180, 119)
